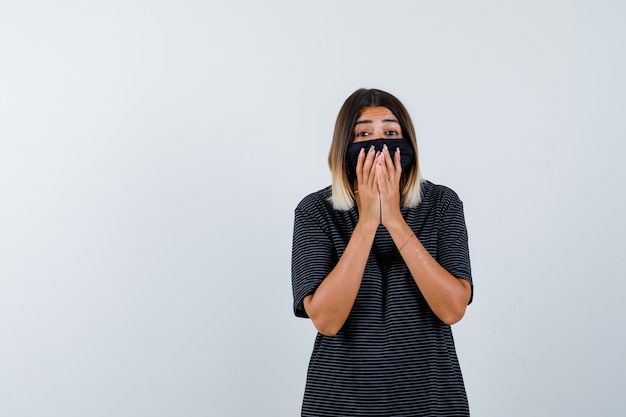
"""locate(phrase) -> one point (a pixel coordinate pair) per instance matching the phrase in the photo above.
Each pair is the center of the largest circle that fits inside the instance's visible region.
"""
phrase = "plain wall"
(152, 154)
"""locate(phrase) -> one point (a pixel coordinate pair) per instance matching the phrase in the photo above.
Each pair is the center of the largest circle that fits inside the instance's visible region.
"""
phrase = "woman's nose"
(378, 133)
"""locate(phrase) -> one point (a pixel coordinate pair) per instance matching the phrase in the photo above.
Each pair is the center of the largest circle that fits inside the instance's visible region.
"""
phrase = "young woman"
(380, 264)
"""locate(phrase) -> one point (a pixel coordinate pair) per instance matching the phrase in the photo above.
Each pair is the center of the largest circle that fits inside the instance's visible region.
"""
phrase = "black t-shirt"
(393, 356)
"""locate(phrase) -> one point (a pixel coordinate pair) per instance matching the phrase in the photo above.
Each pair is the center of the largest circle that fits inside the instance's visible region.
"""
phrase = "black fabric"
(393, 356)
(407, 154)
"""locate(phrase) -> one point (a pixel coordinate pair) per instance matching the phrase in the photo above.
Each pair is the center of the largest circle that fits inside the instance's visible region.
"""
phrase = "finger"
(375, 162)
(389, 163)
(382, 173)
(359, 164)
(397, 164)
(371, 178)
(367, 163)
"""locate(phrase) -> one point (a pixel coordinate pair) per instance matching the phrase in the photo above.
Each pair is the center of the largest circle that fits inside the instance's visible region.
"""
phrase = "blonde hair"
(342, 195)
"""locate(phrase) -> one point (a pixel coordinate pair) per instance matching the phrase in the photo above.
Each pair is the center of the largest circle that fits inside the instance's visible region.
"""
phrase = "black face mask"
(407, 155)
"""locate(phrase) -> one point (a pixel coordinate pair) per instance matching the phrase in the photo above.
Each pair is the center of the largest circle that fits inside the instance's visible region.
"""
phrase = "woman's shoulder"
(438, 194)
(315, 201)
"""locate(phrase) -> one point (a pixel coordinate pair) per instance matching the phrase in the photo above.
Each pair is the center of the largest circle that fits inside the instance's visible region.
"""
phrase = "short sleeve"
(313, 257)
(452, 243)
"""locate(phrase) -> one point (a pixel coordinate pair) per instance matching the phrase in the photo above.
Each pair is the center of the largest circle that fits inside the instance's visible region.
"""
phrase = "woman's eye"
(362, 134)
(391, 133)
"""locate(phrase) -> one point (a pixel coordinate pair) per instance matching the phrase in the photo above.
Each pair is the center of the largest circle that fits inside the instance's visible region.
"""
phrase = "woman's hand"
(388, 175)
(331, 303)
(446, 295)
(368, 196)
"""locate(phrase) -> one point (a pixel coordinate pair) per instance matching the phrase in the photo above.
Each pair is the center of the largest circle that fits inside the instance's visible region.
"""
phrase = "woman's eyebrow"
(384, 121)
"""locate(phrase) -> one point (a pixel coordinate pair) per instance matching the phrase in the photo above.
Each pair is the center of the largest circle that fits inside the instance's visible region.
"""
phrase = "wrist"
(366, 226)
(395, 224)
(399, 230)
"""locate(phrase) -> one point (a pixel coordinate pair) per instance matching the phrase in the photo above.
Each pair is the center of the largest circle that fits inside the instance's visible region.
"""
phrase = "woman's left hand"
(388, 175)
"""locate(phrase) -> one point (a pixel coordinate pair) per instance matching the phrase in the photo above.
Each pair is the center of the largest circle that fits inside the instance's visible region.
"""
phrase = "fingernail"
(385, 147)
(371, 148)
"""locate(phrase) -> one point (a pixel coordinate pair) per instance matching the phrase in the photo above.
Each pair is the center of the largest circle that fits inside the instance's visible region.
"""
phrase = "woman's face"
(376, 123)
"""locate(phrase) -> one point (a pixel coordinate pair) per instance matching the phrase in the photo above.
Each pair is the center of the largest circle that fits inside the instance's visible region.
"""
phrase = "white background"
(152, 153)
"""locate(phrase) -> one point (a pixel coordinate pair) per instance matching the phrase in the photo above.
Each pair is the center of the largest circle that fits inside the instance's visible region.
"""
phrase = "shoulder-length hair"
(342, 195)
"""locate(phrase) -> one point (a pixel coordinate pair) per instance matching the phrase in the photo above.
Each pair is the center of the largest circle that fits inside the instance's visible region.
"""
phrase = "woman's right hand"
(331, 303)
(368, 196)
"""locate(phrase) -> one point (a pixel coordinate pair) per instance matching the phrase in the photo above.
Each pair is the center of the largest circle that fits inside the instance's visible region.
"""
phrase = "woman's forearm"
(331, 303)
(446, 295)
